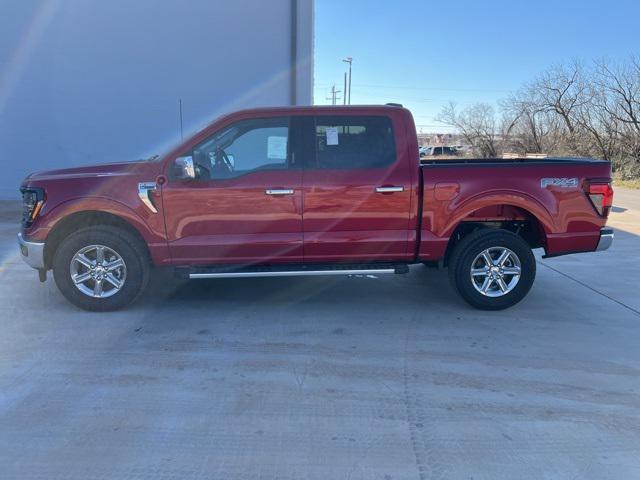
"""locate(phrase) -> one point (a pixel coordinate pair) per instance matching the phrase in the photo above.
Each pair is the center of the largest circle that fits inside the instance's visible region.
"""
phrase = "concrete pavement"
(327, 378)
(615, 272)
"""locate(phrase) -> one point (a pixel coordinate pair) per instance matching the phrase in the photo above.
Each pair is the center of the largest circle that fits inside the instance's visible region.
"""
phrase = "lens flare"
(30, 40)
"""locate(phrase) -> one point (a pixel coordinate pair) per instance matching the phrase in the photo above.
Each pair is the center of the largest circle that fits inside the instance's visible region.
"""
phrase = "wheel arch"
(86, 218)
(525, 203)
(516, 213)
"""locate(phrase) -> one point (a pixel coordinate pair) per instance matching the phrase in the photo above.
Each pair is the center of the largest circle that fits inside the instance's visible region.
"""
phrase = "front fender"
(149, 225)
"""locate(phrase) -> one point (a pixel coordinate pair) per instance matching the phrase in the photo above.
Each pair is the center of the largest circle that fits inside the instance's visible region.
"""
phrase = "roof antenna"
(180, 112)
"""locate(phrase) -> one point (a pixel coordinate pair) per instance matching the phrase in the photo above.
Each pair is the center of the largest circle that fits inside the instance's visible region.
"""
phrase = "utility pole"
(348, 60)
(334, 95)
(344, 97)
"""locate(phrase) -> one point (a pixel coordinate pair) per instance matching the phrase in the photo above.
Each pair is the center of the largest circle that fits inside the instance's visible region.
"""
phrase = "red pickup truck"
(310, 191)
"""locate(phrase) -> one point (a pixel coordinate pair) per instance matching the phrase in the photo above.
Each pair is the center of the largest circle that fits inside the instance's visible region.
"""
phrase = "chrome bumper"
(606, 239)
(32, 252)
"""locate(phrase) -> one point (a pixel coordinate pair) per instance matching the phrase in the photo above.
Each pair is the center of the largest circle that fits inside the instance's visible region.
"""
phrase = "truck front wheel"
(492, 269)
(101, 268)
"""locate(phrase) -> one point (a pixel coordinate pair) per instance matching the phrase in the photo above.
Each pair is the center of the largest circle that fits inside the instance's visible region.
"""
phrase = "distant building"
(91, 81)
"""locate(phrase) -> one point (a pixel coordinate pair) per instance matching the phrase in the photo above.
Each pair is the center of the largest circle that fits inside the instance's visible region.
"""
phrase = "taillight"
(601, 196)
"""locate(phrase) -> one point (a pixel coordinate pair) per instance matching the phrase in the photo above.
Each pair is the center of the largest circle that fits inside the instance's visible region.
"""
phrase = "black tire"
(464, 256)
(127, 246)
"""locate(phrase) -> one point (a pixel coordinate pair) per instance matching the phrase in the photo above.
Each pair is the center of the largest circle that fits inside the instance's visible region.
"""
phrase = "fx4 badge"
(559, 182)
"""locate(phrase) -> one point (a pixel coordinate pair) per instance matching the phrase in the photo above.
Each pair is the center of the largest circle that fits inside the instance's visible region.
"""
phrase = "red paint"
(567, 217)
(234, 221)
(345, 219)
(446, 191)
(333, 215)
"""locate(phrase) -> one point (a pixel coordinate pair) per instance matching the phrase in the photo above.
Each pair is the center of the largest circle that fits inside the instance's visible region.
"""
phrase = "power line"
(443, 89)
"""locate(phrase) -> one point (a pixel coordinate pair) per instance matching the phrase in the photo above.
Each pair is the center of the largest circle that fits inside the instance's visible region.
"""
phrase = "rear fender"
(440, 220)
(515, 199)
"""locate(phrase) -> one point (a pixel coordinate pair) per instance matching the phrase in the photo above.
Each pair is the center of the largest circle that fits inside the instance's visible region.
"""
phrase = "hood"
(102, 170)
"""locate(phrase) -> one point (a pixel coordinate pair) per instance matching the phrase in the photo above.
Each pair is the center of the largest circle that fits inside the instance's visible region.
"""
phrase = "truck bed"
(549, 193)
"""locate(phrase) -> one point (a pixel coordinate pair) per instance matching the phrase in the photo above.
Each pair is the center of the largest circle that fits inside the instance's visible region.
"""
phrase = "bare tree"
(569, 109)
(529, 129)
(477, 124)
(600, 132)
(622, 83)
(619, 103)
(561, 90)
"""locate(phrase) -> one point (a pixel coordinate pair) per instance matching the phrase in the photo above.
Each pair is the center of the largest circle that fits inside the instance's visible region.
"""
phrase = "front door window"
(244, 147)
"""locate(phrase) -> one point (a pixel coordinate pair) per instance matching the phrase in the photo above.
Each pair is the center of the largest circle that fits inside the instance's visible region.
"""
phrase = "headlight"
(32, 201)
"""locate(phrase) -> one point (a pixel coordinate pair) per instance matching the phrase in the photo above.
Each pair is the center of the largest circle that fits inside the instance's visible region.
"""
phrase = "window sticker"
(277, 148)
(332, 135)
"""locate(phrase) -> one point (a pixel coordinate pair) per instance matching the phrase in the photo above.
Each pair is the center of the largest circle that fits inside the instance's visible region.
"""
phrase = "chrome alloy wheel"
(98, 271)
(495, 272)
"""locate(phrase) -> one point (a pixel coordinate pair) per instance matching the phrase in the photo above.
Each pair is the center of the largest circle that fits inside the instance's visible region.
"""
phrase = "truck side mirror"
(185, 168)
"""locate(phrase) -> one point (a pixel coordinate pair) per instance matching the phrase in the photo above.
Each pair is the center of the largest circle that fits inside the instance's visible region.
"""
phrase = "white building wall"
(89, 81)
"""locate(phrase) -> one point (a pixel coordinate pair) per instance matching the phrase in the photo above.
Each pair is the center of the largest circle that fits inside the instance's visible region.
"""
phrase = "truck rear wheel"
(101, 268)
(492, 269)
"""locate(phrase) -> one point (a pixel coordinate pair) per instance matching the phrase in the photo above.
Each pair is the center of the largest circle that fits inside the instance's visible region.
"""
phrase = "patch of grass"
(627, 183)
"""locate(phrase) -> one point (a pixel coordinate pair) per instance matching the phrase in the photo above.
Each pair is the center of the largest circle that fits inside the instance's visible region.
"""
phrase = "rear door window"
(353, 142)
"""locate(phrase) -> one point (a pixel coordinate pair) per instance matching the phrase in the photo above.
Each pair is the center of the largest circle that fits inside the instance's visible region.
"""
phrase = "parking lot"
(327, 378)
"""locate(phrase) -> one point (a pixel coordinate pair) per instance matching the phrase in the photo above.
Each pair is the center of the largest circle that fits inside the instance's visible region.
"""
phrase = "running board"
(289, 272)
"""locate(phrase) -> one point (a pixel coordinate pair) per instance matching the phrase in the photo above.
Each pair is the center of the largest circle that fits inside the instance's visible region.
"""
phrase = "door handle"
(389, 189)
(279, 191)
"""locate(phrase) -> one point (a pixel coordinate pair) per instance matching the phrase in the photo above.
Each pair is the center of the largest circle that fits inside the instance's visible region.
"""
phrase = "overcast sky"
(423, 54)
